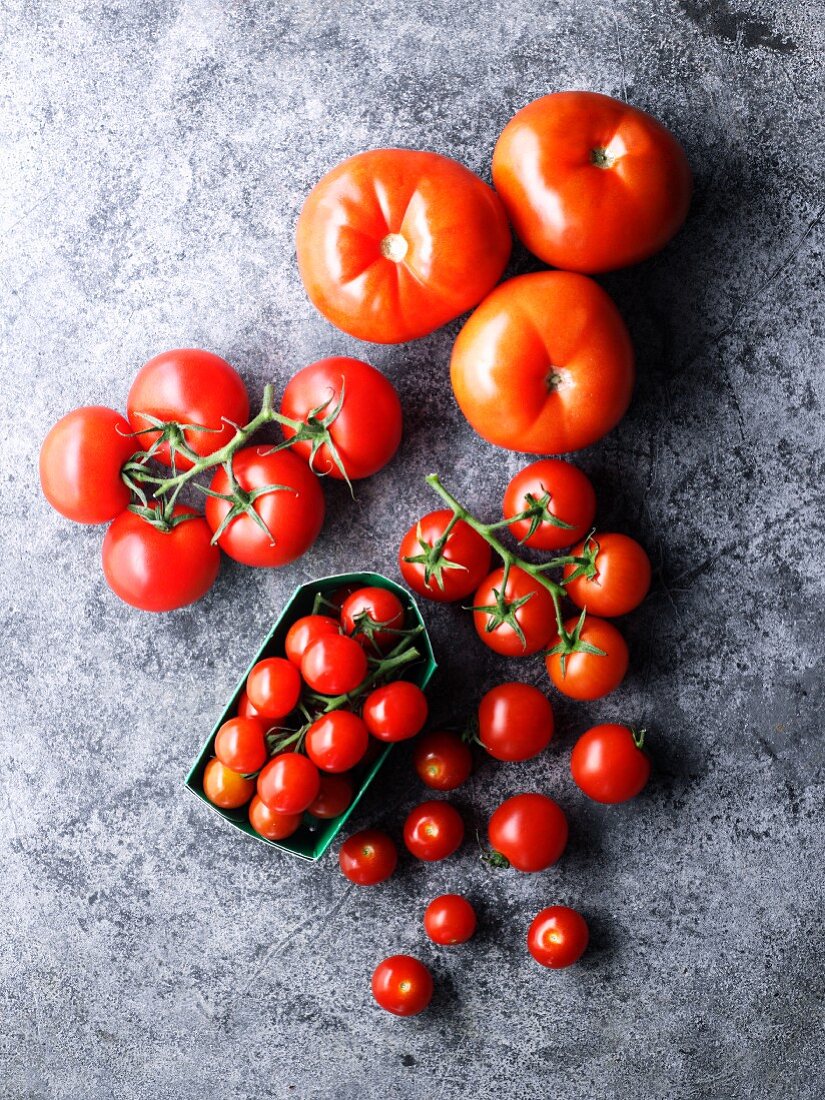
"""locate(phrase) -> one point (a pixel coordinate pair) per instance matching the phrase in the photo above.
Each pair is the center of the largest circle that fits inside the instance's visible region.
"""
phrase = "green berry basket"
(314, 836)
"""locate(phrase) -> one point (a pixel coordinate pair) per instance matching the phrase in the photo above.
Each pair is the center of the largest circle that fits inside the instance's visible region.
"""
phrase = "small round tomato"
(334, 796)
(225, 788)
(368, 857)
(529, 831)
(367, 609)
(449, 919)
(286, 498)
(616, 578)
(305, 631)
(289, 783)
(402, 985)
(535, 618)
(80, 463)
(366, 429)
(515, 721)
(446, 571)
(273, 687)
(556, 491)
(584, 675)
(240, 745)
(334, 664)
(442, 760)
(609, 764)
(245, 708)
(272, 825)
(188, 386)
(337, 741)
(156, 570)
(433, 831)
(557, 937)
(395, 711)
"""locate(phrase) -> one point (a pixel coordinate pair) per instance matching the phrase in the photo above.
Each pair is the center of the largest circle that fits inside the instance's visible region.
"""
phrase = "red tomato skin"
(333, 798)
(622, 580)
(449, 226)
(578, 216)
(572, 499)
(272, 825)
(402, 985)
(337, 741)
(588, 677)
(537, 617)
(607, 764)
(293, 516)
(368, 857)
(80, 463)
(190, 386)
(558, 937)
(155, 570)
(530, 831)
(515, 722)
(433, 830)
(334, 664)
(380, 606)
(289, 783)
(464, 547)
(306, 630)
(225, 788)
(240, 745)
(366, 432)
(273, 687)
(396, 711)
(450, 919)
(442, 760)
(245, 708)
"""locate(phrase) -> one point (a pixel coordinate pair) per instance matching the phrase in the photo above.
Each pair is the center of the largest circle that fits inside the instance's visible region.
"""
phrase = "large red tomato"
(544, 364)
(393, 243)
(590, 183)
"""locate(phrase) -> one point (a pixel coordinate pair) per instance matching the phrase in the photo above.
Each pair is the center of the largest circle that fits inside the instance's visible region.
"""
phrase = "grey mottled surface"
(154, 156)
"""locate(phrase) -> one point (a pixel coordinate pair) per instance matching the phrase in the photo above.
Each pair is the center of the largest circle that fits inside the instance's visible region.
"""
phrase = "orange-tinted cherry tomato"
(587, 676)
(621, 580)
(226, 788)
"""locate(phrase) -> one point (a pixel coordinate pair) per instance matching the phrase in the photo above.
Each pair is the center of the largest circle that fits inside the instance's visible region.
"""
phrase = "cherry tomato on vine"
(337, 741)
(463, 564)
(449, 919)
(269, 824)
(368, 857)
(557, 937)
(80, 463)
(339, 596)
(368, 608)
(515, 721)
(536, 617)
(587, 676)
(396, 711)
(442, 760)
(273, 687)
(245, 708)
(240, 745)
(289, 783)
(334, 664)
(334, 796)
(225, 788)
(305, 631)
(529, 831)
(402, 985)
(433, 831)
(621, 579)
(564, 491)
(609, 764)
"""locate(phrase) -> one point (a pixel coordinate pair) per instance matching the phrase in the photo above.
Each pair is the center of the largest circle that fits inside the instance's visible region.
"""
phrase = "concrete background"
(154, 158)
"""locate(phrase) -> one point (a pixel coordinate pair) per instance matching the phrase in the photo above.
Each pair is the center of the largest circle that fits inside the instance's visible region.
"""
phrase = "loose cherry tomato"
(80, 463)
(366, 610)
(337, 741)
(241, 746)
(334, 664)
(460, 568)
(395, 711)
(590, 183)
(305, 631)
(545, 364)
(585, 675)
(536, 617)
(433, 831)
(554, 488)
(529, 831)
(274, 687)
(620, 575)
(449, 919)
(156, 570)
(334, 796)
(608, 763)
(442, 760)
(188, 386)
(289, 783)
(515, 721)
(394, 243)
(368, 857)
(225, 788)
(269, 824)
(402, 985)
(557, 937)
(289, 502)
(245, 708)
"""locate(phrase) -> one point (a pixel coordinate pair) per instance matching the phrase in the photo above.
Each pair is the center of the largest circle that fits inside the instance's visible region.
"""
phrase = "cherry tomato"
(245, 708)
(269, 824)
(515, 721)
(621, 580)
(368, 857)
(189, 386)
(334, 796)
(402, 985)
(366, 430)
(339, 596)
(544, 364)
(433, 831)
(367, 608)
(442, 760)
(463, 564)
(241, 746)
(156, 570)
(394, 243)
(337, 741)
(529, 831)
(225, 788)
(449, 919)
(557, 937)
(396, 711)
(608, 763)
(289, 783)
(565, 493)
(586, 676)
(305, 631)
(590, 183)
(80, 463)
(334, 664)
(293, 513)
(274, 687)
(536, 617)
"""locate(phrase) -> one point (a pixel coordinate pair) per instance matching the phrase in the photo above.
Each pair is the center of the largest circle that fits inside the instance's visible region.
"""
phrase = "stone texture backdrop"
(155, 154)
